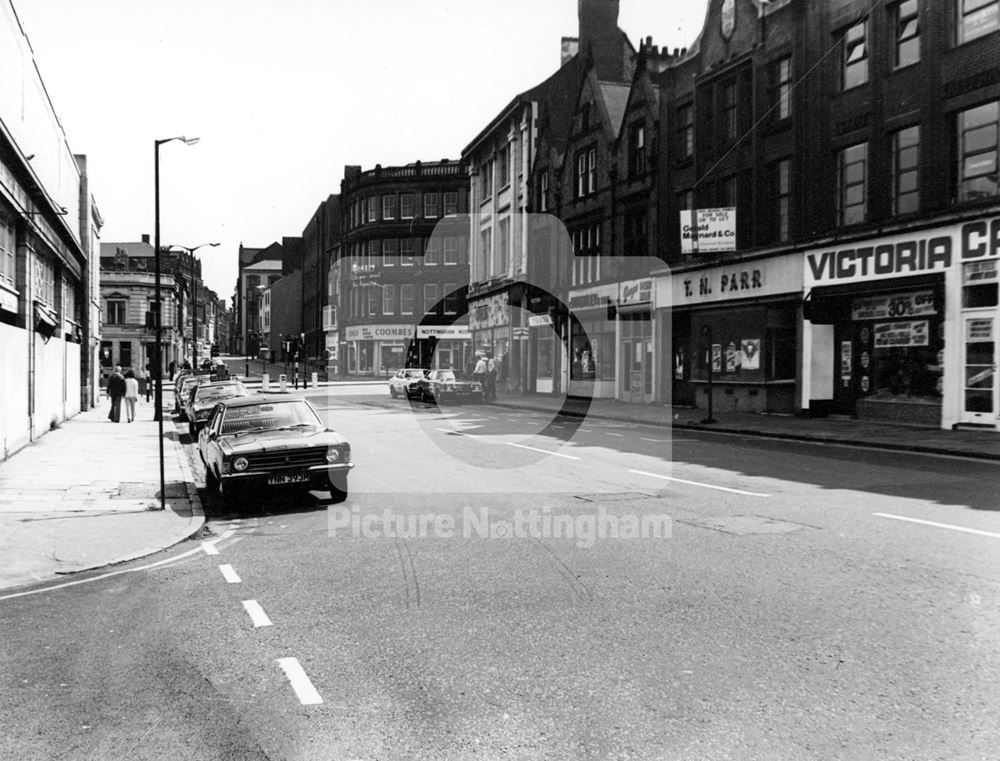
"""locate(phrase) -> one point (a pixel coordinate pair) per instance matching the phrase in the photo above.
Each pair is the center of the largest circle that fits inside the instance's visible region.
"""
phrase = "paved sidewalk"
(980, 444)
(87, 495)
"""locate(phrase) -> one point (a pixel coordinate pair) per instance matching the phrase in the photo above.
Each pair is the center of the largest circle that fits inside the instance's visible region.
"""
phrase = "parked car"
(203, 398)
(272, 441)
(406, 382)
(182, 390)
(450, 386)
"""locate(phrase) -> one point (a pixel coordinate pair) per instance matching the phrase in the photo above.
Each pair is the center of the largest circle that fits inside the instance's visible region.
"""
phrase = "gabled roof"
(615, 98)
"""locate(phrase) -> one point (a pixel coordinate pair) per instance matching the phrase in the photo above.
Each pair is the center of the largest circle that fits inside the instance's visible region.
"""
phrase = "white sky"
(284, 94)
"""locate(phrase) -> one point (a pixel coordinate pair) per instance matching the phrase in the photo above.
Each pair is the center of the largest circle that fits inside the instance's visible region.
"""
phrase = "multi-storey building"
(858, 146)
(259, 267)
(403, 268)
(500, 159)
(48, 228)
(319, 239)
(128, 299)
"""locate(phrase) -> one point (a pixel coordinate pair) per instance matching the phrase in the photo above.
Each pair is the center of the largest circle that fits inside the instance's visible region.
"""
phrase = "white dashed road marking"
(698, 483)
(209, 548)
(229, 574)
(303, 687)
(257, 614)
(963, 529)
(543, 451)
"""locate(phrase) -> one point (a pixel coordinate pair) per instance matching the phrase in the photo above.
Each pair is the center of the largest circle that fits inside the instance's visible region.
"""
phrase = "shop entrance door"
(979, 373)
(638, 379)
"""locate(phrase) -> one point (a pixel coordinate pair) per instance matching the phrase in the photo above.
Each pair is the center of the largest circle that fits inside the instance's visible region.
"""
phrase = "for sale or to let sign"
(716, 230)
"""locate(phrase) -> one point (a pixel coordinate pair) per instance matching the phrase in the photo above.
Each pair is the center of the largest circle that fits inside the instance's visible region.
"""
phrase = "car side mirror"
(213, 435)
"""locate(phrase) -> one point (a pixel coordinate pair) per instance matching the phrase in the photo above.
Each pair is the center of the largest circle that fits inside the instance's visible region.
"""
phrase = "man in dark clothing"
(116, 390)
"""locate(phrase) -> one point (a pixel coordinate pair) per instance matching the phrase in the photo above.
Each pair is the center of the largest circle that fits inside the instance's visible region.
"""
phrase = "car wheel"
(392, 392)
(338, 492)
(211, 482)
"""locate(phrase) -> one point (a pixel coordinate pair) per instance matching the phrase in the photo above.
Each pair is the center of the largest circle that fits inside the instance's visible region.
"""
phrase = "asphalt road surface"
(501, 585)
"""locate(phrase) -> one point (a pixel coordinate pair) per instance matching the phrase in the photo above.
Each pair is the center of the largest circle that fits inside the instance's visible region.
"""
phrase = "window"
(450, 204)
(373, 209)
(390, 250)
(430, 205)
(485, 180)
(485, 250)
(503, 245)
(450, 298)
(636, 236)
(543, 191)
(979, 144)
(637, 150)
(854, 65)
(781, 89)
(252, 281)
(389, 207)
(432, 250)
(581, 175)
(8, 269)
(406, 298)
(372, 292)
(503, 167)
(852, 178)
(906, 22)
(406, 205)
(430, 297)
(592, 170)
(905, 160)
(783, 194)
(407, 250)
(45, 280)
(727, 191)
(977, 18)
(125, 353)
(116, 312)
(729, 114)
(451, 250)
(685, 131)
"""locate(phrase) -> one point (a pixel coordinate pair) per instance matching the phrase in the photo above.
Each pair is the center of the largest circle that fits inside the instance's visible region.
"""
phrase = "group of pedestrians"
(485, 372)
(122, 387)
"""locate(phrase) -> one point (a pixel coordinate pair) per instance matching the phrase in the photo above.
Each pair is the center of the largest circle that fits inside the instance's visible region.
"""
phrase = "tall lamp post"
(194, 299)
(158, 370)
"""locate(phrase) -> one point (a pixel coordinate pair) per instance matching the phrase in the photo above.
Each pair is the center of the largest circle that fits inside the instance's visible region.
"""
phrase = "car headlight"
(240, 463)
(333, 454)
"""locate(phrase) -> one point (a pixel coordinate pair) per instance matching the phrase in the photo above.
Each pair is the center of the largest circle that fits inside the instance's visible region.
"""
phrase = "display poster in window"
(750, 349)
(846, 359)
(891, 306)
(679, 363)
(893, 335)
(732, 358)
(979, 272)
(716, 358)
(979, 330)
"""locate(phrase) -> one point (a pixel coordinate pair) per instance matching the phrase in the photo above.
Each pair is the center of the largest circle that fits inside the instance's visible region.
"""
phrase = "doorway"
(979, 371)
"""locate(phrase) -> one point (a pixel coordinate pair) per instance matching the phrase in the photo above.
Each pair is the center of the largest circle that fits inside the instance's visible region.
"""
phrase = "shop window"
(905, 162)
(979, 145)
(592, 355)
(780, 353)
(979, 284)
(852, 180)
(854, 60)
(977, 18)
(906, 22)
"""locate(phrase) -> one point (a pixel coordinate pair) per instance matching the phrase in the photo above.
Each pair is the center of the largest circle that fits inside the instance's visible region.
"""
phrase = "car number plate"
(288, 478)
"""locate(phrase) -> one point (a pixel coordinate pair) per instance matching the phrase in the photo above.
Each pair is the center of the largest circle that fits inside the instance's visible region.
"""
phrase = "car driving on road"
(450, 386)
(406, 382)
(272, 441)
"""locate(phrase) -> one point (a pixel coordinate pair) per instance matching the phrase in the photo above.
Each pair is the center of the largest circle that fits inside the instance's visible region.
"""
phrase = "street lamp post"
(194, 300)
(158, 370)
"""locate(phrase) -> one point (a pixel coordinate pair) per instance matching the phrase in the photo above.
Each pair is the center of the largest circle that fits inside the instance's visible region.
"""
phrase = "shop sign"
(890, 335)
(979, 272)
(540, 320)
(716, 231)
(521, 334)
(491, 312)
(981, 239)
(979, 330)
(454, 332)
(377, 332)
(913, 304)
(636, 292)
(765, 277)
(595, 297)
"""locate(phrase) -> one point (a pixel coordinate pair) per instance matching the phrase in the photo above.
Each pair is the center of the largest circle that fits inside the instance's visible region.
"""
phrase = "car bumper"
(319, 477)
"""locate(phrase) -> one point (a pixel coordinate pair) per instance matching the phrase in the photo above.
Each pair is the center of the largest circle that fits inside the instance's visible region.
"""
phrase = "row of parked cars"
(435, 385)
(250, 441)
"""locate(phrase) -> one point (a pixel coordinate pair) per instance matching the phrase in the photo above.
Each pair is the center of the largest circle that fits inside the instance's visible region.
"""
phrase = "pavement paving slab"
(86, 495)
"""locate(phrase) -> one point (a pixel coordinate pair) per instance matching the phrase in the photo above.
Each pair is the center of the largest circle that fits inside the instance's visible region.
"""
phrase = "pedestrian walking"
(131, 394)
(479, 374)
(295, 371)
(116, 390)
(491, 378)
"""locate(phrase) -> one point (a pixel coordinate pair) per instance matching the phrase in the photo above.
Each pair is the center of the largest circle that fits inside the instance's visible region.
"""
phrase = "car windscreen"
(268, 416)
(452, 375)
(214, 393)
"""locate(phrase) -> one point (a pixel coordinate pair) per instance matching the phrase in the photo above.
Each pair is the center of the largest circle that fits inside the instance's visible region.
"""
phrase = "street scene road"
(804, 601)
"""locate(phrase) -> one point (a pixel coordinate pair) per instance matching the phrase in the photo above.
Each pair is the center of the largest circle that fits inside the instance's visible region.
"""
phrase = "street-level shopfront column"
(741, 318)
(904, 327)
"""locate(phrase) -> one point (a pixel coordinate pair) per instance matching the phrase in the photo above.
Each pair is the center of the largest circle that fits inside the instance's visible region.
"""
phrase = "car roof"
(215, 384)
(247, 401)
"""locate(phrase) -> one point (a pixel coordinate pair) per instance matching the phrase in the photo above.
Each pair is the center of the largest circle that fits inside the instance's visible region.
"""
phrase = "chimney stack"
(145, 239)
(601, 39)
(570, 47)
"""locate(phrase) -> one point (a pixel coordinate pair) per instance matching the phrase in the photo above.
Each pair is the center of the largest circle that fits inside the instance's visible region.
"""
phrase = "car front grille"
(289, 458)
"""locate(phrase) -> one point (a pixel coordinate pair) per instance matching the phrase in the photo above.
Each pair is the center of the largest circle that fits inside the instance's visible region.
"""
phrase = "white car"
(406, 382)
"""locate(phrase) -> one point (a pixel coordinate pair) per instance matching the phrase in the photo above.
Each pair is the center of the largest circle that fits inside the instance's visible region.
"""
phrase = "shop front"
(377, 349)
(903, 328)
(546, 353)
(636, 339)
(733, 333)
(445, 347)
(592, 341)
(490, 327)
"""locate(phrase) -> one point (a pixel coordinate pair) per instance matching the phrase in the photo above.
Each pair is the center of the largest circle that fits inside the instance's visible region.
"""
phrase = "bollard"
(315, 380)
(265, 383)
(283, 383)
